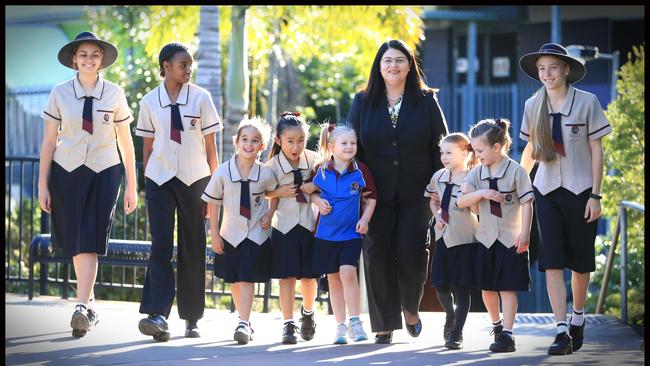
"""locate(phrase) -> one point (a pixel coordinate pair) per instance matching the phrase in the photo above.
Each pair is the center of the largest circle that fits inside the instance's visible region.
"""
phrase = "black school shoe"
(505, 343)
(288, 333)
(496, 330)
(562, 345)
(384, 338)
(449, 326)
(577, 334)
(192, 329)
(307, 325)
(155, 326)
(455, 340)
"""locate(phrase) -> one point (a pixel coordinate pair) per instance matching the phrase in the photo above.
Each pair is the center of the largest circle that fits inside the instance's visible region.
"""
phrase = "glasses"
(397, 61)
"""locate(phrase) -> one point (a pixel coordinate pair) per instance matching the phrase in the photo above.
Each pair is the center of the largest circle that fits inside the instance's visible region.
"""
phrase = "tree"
(624, 160)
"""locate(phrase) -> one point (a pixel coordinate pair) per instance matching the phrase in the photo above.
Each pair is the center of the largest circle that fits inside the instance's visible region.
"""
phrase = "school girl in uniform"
(293, 223)
(341, 224)
(452, 267)
(504, 194)
(80, 173)
(564, 127)
(243, 247)
(178, 122)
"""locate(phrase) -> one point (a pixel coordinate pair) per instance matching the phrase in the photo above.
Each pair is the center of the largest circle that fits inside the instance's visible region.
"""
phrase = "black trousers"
(395, 261)
(163, 202)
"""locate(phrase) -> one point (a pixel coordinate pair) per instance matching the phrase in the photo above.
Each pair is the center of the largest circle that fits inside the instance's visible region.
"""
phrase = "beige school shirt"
(74, 145)
(224, 189)
(290, 212)
(514, 184)
(188, 161)
(462, 225)
(583, 120)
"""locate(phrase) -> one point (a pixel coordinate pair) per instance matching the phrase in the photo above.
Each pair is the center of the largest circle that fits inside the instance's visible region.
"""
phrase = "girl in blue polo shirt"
(341, 224)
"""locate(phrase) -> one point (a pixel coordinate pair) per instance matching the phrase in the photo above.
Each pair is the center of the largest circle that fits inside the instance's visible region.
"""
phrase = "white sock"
(288, 321)
(241, 321)
(578, 317)
(91, 303)
(562, 328)
(508, 332)
(497, 323)
(307, 312)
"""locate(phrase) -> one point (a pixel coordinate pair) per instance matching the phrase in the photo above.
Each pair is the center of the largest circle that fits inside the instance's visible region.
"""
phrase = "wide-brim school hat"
(110, 51)
(576, 66)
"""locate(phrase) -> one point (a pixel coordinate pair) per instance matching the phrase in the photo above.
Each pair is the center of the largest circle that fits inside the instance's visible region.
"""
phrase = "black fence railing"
(24, 219)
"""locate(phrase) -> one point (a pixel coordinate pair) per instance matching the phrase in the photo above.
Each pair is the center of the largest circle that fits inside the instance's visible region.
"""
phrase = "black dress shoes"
(155, 326)
(455, 340)
(288, 333)
(505, 343)
(562, 345)
(449, 325)
(191, 329)
(414, 330)
(307, 325)
(384, 338)
(577, 334)
(496, 330)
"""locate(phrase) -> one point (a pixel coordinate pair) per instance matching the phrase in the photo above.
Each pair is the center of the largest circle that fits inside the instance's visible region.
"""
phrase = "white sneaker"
(341, 334)
(243, 333)
(356, 332)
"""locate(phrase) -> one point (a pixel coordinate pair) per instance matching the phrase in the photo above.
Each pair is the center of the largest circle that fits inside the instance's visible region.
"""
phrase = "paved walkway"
(38, 333)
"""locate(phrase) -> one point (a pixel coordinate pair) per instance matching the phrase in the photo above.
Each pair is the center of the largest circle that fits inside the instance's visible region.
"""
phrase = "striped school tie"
(177, 124)
(87, 115)
(444, 205)
(558, 144)
(245, 200)
(495, 207)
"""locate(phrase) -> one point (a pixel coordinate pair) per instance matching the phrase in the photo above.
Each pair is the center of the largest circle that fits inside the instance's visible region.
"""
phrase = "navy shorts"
(502, 269)
(329, 256)
(292, 253)
(566, 239)
(248, 262)
(83, 206)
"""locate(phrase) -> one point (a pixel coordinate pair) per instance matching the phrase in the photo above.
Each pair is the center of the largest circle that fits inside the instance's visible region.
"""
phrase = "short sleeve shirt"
(224, 189)
(188, 160)
(462, 225)
(290, 212)
(75, 146)
(514, 183)
(583, 120)
(343, 192)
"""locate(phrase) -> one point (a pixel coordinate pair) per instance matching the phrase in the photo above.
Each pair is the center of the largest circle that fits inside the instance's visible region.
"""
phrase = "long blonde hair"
(540, 129)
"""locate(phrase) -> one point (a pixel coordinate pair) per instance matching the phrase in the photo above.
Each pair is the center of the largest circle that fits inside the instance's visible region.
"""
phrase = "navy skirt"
(248, 262)
(292, 253)
(83, 205)
(502, 269)
(455, 266)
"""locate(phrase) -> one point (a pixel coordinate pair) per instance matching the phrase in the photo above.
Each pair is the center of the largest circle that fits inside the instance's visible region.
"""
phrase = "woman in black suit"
(399, 124)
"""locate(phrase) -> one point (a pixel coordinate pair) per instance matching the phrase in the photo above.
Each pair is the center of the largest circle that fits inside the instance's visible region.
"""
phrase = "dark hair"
(495, 131)
(76, 48)
(375, 90)
(287, 120)
(167, 52)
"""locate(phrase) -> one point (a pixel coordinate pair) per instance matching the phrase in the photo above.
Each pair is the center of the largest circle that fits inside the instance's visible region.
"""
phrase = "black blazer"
(401, 159)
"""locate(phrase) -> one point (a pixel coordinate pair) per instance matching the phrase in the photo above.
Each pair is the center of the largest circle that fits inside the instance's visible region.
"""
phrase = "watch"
(595, 196)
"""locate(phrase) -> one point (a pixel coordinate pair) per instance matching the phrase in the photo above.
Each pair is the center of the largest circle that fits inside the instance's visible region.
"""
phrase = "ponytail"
(540, 131)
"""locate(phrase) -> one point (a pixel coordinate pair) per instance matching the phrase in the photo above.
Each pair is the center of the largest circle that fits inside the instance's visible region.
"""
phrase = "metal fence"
(23, 124)
(24, 219)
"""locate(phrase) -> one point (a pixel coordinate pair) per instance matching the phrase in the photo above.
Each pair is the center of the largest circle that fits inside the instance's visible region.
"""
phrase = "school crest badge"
(575, 130)
(106, 117)
(193, 122)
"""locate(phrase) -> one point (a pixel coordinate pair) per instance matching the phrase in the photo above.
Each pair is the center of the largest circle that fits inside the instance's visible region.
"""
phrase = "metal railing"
(619, 228)
(21, 199)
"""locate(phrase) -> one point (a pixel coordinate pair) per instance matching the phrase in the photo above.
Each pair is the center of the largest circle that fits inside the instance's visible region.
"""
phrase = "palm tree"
(208, 74)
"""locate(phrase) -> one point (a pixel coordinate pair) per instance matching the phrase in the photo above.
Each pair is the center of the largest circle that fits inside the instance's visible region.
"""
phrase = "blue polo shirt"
(343, 192)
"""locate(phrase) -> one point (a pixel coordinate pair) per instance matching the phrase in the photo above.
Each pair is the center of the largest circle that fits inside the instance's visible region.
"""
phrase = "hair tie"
(295, 114)
(331, 127)
(470, 148)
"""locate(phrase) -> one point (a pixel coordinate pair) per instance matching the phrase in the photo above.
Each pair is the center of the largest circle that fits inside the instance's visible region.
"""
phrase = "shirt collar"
(79, 90)
(285, 165)
(253, 176)
(445, 177)
(568, 102)
(351, 167)
(501, 171)
(183, 95)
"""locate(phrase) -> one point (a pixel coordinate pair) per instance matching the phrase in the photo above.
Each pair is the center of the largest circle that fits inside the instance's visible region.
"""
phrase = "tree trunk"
(208, 74)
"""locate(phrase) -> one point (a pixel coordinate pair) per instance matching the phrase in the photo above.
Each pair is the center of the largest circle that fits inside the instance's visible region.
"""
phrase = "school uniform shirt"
(75, 146)
(224, 189)
(583, 120)
(343, 192)
(462, 225)
(514, 184)
(187, 160)
(290, 212)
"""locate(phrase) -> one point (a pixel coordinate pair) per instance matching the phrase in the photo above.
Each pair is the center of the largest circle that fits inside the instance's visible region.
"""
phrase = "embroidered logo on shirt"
(354, 187)
(508, 199)
(575, 129)
(258, 201)
(106, 117)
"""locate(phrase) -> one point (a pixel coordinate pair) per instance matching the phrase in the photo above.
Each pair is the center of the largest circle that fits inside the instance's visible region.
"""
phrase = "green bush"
(624, 162)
